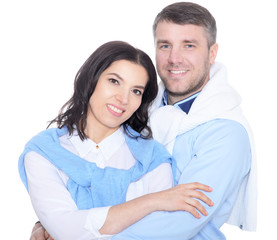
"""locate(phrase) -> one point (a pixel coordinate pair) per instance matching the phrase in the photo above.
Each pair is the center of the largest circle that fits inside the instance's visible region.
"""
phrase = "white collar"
(107, 146)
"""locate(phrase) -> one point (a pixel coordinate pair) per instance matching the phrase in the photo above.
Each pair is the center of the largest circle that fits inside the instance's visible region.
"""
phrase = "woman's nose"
(123, 97)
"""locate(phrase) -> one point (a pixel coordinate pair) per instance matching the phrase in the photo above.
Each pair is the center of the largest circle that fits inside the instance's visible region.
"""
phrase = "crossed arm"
(72, 221)
(217, 153)
(225, 157)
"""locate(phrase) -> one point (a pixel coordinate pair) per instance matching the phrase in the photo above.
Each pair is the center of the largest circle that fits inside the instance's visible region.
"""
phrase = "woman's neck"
(98, 133)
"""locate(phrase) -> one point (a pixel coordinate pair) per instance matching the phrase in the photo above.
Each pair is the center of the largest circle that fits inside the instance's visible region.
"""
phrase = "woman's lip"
(115, 110)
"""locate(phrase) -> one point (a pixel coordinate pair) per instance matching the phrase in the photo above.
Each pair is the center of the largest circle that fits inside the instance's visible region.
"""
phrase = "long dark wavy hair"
(73, 113)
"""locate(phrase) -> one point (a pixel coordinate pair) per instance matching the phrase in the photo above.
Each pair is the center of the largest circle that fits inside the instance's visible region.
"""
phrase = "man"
(200, 122)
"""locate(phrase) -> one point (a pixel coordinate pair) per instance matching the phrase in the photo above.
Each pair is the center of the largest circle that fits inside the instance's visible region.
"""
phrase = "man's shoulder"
(221, 125)
(217, 139)
(218, 130)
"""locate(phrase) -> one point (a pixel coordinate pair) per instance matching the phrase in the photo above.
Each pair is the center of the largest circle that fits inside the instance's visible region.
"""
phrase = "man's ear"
(213, 53)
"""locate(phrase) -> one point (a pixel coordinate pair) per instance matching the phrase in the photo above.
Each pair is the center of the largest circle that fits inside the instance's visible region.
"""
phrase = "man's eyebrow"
(191, 41)
(184, 41)
(162, 41)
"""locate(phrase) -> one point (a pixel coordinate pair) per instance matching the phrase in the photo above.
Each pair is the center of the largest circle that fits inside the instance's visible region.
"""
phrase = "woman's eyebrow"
(115, 74)
(118, 76)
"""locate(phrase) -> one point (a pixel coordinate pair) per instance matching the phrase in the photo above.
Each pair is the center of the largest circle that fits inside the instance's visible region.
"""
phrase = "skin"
(178, 198)
(117, 96)
(39, 233)
(183, 59)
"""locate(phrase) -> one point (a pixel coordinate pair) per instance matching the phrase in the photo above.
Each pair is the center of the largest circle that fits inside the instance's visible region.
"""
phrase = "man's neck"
(183, 104)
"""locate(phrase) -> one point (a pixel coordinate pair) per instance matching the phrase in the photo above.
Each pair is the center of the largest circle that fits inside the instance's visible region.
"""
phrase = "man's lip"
(177, 71)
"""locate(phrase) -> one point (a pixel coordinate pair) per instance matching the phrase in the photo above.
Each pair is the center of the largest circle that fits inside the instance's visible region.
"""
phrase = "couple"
(100, 173)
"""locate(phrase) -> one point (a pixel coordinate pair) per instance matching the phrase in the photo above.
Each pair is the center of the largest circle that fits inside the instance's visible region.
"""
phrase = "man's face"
(183, 59)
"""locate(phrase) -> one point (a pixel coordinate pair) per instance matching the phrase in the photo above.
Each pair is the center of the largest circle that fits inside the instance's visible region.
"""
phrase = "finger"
(47, 236)
(196, 205)
(200, 186)
(36, 226)
(37, 238)
(201, 196)
(191, 192)
(192, 210)
(37, 233)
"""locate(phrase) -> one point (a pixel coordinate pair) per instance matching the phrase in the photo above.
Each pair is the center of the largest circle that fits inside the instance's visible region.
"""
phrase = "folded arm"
(179, 198)
(60, 216)
(217, 154)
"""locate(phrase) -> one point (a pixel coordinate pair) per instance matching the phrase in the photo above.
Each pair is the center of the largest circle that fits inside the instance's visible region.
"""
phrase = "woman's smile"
(115, 110)
(116, 97)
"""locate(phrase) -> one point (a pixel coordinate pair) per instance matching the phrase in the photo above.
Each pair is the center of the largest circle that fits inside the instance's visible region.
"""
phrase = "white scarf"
(217, 100)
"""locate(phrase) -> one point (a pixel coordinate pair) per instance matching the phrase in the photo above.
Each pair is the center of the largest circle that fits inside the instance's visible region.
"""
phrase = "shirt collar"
(108, 146)
(184, 104)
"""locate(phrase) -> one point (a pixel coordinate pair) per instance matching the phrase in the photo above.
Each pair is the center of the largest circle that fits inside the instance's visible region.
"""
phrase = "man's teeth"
(115, 109)
(178, 72)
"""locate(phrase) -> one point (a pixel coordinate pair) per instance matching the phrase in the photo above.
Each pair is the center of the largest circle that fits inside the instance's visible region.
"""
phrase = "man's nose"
(175, 56)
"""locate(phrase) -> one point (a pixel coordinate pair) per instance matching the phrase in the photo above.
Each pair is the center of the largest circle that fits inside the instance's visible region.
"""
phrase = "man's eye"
(189, 46)
(165, 46)
(112, 80)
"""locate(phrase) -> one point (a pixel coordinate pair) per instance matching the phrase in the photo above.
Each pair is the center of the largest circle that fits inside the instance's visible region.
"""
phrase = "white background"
(43, 44)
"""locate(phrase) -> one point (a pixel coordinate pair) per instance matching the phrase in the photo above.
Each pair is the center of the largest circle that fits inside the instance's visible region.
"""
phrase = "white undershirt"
(53, 203)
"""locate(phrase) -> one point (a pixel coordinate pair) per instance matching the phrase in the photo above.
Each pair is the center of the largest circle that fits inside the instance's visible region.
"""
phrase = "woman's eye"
(137, 92)
(114, 81)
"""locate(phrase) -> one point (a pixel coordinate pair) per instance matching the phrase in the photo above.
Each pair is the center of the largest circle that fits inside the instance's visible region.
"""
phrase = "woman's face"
(117, 96)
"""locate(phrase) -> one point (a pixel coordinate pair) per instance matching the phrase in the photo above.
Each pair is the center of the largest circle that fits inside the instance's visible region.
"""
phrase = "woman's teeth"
(115, 109)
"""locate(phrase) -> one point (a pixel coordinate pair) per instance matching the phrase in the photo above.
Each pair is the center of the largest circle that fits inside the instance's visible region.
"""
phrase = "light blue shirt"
(216, 153)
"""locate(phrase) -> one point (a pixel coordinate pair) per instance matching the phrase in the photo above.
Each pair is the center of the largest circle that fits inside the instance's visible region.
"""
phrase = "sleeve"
(54, 206)
(220, 157)
(161, 178)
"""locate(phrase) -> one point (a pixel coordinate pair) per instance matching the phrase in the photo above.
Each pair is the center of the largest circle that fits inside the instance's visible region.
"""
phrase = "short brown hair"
(188, 13)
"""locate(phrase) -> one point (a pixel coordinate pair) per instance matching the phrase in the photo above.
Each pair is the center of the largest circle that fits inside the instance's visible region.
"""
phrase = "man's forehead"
(169, 31)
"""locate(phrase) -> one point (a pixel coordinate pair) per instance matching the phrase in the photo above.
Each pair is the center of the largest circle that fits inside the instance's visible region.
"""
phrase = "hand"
(47, 236)
(39, 233)
(183, 198)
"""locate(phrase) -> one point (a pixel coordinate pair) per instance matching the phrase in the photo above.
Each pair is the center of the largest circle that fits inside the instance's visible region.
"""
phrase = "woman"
(99, 171)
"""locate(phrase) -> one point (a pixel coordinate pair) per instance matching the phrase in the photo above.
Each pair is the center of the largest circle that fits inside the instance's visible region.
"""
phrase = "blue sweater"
(89, 185)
